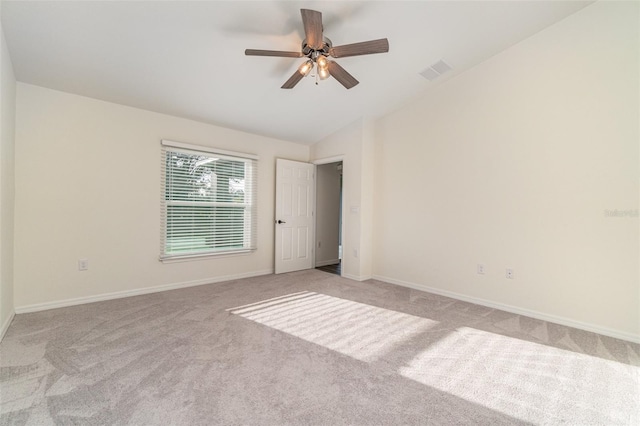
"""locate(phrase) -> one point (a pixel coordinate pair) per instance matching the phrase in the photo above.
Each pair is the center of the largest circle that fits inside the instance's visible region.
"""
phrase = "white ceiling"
(187, 58)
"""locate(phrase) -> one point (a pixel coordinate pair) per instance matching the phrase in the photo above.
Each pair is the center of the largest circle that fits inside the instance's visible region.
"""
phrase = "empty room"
(320, 212)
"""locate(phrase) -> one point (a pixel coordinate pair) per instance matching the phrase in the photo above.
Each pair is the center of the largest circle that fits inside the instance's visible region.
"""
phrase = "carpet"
(309, 348)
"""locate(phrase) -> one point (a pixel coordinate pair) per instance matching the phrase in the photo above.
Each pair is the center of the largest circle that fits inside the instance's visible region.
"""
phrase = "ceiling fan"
(317, 48)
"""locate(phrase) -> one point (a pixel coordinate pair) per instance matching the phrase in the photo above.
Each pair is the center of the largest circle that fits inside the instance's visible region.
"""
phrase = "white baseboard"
(356, 277)
(137, 292)
(6, 324)
(517, 310)
(327, 262)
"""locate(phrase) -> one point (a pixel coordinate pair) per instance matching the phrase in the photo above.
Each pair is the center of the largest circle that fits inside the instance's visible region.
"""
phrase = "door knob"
(280, 221)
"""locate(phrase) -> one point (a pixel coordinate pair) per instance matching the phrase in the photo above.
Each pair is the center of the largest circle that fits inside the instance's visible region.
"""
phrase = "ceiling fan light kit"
(318, 48)
(305, 68)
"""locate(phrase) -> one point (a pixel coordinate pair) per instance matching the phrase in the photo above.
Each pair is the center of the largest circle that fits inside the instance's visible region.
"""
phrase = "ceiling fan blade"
(293, 80)
(362, 48)
(312, 20)
(340, 74)
(280, 53)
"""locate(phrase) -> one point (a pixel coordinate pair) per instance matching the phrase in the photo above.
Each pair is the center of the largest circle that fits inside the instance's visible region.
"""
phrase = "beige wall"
(327, 213)
(368, 188)
(513, 164)
(7, 124)
(353, 144)
(88, 186)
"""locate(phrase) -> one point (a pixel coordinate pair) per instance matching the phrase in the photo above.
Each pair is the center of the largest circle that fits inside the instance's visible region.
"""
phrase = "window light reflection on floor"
(514, 376)
(358, 330)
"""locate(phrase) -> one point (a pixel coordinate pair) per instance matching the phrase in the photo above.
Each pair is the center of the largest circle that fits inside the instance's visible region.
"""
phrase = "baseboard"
(6, 324)
(137, 292)
(327, 262)
(516, 310)
(356, 277)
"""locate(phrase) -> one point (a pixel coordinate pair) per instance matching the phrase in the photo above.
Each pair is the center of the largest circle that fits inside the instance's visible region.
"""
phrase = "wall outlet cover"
(83, 264)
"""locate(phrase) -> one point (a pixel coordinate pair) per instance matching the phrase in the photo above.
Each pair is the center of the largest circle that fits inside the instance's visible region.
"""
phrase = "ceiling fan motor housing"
(309, 52)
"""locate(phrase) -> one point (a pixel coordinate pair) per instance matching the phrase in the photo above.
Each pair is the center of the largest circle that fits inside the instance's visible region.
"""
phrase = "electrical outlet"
(355, 253)
(319, 244)
(480, 269)
(83, 264)
(509, 273)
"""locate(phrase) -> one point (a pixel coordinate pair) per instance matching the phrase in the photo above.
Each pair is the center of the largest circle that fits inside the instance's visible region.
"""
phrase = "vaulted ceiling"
(187, 58)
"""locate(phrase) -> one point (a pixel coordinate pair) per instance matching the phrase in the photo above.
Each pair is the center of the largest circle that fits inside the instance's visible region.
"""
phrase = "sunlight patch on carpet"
(513, 376)
(358, 330)
(517, 377)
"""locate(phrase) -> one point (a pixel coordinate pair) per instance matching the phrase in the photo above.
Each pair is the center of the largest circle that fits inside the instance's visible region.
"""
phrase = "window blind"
(208, 201)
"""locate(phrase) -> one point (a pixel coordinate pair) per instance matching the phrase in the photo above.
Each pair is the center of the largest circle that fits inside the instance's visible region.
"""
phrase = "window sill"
(204, 256)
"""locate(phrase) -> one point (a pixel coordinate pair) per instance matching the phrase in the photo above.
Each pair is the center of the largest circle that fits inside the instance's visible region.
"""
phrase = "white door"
(295, 195)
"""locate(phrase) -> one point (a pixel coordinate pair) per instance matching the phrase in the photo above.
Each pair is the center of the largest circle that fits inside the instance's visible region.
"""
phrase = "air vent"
(436, 70)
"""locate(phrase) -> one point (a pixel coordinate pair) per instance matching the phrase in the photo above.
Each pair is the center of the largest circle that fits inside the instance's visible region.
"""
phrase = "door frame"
(318, 162)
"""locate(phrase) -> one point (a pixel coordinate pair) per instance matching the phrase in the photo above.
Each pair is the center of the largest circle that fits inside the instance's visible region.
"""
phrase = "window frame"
(249, 205)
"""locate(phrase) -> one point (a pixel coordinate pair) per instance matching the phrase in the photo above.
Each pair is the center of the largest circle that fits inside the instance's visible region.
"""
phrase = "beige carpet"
(309, 348)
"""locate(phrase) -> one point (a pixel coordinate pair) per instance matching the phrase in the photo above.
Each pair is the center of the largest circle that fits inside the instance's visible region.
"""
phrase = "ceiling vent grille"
(436, 70)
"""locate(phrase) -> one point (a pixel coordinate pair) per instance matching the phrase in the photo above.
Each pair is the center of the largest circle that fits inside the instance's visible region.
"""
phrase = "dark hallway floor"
(332, 269)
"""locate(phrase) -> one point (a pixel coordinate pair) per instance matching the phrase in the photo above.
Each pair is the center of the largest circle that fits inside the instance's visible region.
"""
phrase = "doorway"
(328, 241)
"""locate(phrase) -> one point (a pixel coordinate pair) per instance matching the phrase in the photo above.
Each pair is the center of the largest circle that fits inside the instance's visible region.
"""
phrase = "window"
(208, 201)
